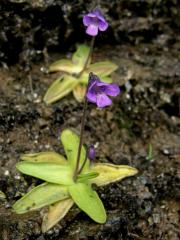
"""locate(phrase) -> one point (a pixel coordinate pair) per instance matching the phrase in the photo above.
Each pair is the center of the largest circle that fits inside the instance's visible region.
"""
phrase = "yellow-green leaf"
(86, 176)
(102, 68)
(70, 141)
(55, 213)
(64, 65)
(60, 88)
(80, 56)
(51, 157)
(88, 201)
(79, 92)
(106, 79)
(40, 196)
(109, 173)
(84, 78)
(50, 172)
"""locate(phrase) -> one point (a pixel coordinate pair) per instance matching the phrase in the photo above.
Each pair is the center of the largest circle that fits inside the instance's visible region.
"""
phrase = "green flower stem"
(88, 57)
(81, 140)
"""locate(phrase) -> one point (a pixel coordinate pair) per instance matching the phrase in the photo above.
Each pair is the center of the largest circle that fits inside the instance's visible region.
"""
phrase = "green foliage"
(40, 196)
(88, 201)
(51, 157)
(60, 190)
(70, 143)
(150, 154)
(62, 174)
(70, 81)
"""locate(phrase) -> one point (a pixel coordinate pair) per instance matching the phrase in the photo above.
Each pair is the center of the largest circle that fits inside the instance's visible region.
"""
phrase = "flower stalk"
(77, 170)
(96, 91)
(81, 140)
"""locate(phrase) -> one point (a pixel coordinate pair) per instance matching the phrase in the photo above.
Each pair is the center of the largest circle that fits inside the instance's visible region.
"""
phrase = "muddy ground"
(146, 112)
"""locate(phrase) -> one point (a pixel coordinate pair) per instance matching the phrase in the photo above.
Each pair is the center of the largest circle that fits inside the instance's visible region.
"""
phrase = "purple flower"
(91, 152)
(99, 91)
(94, 21)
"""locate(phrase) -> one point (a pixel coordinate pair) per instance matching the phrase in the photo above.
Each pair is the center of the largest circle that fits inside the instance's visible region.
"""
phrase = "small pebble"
(6, 173)
(166, 151)
(47, 146)
(17, 177)
(44, 69)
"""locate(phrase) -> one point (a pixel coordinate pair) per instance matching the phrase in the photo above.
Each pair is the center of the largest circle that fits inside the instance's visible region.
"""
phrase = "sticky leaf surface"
(64, 65)
(86, 176)
(70, 141)
(79, 92)
(55, 213)
(54, 173)
(80, 56)
(102, 68)
(60, 88)
(111, 173)
(88, 201)
(50, 157)
(40, 196)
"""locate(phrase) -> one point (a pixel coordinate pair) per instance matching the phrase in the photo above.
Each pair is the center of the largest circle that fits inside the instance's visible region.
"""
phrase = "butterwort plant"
(75, 71)
(69, 180)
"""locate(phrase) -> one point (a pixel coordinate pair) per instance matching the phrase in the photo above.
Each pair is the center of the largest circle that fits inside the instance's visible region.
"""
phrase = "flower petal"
(103, 100)
(97, 13)
(87, 20)
(91, 14)
(112, 90)
(91, 96)
(92, 30)
(92, 82)
(102, 25)
(102, 84)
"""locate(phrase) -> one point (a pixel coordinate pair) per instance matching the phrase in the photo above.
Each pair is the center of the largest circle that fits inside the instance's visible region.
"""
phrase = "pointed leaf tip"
(79, 92)
(88, 201)
(109, 173)
(40, 196)
(80, 56)
(55, 213)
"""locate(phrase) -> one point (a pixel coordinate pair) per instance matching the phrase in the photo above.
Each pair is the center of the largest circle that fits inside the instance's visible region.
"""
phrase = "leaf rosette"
(60, 191)
(69, 81)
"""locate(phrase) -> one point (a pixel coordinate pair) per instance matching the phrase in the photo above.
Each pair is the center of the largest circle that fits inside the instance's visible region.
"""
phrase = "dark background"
(29, 26)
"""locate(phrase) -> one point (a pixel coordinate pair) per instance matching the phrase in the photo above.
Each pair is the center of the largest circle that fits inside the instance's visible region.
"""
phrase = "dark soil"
(146, 112)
